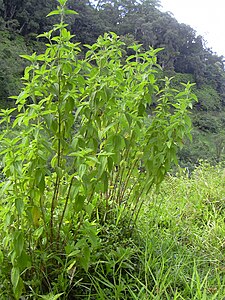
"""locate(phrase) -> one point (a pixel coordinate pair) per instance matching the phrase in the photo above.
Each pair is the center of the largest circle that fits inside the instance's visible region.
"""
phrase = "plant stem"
(64, 209)
(57, 182)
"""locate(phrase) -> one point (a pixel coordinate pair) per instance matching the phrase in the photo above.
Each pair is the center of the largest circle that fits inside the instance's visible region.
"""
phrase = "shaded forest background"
(184, 56)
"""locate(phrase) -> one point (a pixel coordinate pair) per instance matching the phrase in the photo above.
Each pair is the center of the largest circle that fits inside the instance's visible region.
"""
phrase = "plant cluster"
(78, 161)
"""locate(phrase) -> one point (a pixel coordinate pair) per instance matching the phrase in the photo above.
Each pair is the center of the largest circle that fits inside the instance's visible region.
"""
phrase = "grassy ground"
(185, 237)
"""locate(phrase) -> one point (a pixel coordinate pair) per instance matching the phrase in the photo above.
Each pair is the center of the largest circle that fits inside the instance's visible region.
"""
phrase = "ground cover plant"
(78, 163)
(183, 226)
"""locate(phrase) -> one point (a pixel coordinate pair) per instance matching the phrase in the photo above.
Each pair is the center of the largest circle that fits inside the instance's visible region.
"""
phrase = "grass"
(183, 227)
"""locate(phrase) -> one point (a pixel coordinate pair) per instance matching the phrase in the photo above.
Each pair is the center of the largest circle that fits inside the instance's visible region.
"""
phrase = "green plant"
(86, 155)
(182, 226)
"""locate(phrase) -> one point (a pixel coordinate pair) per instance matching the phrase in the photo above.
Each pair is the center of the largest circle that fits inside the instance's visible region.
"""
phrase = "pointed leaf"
(54, 12)
(70, 12)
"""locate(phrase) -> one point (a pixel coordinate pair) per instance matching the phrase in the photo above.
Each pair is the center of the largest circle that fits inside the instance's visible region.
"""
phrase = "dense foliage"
(185, 56)
(78, 161)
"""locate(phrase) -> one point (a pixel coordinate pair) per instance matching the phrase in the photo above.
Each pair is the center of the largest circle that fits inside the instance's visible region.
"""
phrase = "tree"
(12, 67)
(21, 15)
(87, 24)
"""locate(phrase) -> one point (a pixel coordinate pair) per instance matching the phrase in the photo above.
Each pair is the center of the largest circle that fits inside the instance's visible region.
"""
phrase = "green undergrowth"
(183, 229)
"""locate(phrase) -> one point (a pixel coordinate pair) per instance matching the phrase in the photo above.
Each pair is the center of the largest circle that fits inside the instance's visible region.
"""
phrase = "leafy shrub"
(84, 159)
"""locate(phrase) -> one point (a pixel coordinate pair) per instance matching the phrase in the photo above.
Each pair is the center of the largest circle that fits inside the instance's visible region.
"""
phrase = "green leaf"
(19, 206)
(64, 33)
(18, 289)
(118, 141)
(59, 171)
(141, 109)
(70, 12)
(62, 2)
(54, 12)
(18, 242)
(79, 203)
(15, 276)
(1, 257)
(85, 258)
(28, 57)
(110, 163)
(23, 261)
(51, 296)
(36, 215)
(82, 169)
(73, 253)
(102, 165)
(91, 231)
(5, 186)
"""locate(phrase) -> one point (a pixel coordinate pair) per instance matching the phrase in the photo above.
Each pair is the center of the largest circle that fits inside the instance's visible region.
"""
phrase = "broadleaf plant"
(93, 133)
